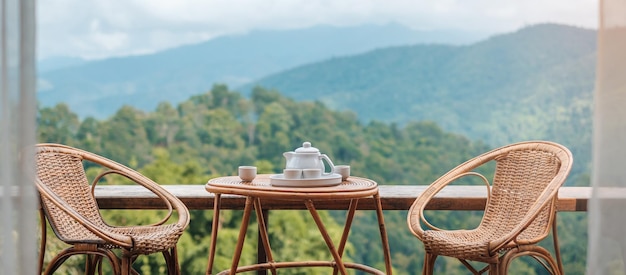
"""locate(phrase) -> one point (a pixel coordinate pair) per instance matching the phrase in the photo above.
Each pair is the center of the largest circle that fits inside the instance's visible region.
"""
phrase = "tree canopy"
(211, 134)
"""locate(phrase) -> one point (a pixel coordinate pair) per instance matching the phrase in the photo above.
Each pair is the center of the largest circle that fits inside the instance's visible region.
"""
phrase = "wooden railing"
(393, 197)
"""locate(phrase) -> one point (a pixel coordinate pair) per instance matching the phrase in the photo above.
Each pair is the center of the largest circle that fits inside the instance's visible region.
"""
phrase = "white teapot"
(307, 157)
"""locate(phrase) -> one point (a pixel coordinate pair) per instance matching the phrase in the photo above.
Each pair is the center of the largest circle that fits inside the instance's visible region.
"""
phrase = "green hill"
(535, 83)
(98, 88)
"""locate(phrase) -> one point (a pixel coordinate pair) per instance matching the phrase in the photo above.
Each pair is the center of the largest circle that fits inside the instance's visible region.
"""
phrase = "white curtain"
(607, 208)
(18, 212)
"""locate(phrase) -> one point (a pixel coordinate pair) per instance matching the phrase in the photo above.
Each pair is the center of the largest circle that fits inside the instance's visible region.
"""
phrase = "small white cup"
(312, 173)
(247, 173)
(343, 170)
(292, 173)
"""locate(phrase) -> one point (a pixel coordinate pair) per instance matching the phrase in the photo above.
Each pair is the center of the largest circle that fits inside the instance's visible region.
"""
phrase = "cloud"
(103, 28)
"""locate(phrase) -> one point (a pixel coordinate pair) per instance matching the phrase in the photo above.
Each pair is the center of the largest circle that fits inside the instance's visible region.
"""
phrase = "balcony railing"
(393, 197)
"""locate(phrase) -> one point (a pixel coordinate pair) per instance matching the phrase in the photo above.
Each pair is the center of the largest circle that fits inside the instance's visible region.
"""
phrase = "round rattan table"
(353, 189)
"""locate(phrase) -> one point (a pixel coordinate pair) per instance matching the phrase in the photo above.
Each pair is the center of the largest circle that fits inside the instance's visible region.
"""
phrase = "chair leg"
(555, 241)
(100, 266)
(113, 259)
(537, 252)
(42, 245)
(58, 260)
(92, 264)
(171, 261)
(126, 265)
(429, 263)
(71, 251)
(495, 269)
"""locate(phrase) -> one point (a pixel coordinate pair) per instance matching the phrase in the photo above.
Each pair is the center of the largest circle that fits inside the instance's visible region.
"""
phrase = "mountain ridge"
(174, 74)
(434, 71)
(534, 83)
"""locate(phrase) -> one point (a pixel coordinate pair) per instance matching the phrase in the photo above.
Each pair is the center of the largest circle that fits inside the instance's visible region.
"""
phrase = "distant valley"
(99, 88)
(533, 83)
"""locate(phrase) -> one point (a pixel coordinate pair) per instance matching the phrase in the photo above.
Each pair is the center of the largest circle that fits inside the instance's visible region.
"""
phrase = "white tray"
(329, 180)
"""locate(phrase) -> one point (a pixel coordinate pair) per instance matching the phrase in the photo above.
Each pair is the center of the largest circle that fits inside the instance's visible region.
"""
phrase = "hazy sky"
(104, 28)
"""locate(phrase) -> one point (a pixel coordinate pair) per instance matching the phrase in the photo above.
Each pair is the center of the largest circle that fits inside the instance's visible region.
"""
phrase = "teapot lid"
(306, 148)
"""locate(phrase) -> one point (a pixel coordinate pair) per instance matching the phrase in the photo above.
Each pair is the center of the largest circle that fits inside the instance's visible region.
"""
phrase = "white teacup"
(312, 173)
(343, 170)
(292, 173)
(247, 173)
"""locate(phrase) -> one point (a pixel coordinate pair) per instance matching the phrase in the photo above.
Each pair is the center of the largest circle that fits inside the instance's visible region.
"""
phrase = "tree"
(123, 131)
(163, 125)
(57, 125)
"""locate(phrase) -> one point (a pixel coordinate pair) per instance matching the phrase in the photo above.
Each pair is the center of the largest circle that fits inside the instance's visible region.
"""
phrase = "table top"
(353, 187)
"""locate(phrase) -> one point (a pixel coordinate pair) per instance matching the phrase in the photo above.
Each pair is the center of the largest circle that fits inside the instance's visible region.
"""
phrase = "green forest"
(210, 134)
(534, 83)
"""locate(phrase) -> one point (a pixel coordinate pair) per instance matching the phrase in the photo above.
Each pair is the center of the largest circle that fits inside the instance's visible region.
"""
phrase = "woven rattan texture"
(519, 179)
(60, 169)
(520, 210)
(262, 183)
(64, 174)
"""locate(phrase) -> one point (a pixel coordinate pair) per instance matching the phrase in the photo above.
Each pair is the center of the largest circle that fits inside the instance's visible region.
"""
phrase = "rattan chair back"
(520, 209)
(521, 176)
(65, 176)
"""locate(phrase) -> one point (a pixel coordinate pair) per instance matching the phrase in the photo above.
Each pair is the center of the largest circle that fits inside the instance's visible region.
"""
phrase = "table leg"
(242, 234)
(263, 232)
(216, 218)
(383, 233)
(261, 256)
(346, 228)
(329, 241)
(348, 225)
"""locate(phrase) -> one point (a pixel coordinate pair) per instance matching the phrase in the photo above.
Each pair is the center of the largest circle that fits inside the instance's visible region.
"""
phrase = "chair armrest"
(416, 212)
(139, 182)
(171, 200)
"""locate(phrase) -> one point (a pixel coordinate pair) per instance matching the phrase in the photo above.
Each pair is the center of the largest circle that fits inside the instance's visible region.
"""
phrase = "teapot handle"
(330, 164)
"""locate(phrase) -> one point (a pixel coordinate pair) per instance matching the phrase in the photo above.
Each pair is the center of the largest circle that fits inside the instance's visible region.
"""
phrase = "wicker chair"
(68, 204)
(519, 213)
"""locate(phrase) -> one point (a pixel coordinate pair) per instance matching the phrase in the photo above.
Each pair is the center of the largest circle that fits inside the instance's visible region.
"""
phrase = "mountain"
(98, 88)
(534, 83)
(59, 62)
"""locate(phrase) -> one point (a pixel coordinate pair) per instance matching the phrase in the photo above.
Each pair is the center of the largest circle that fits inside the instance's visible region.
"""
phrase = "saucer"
(324, 180)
